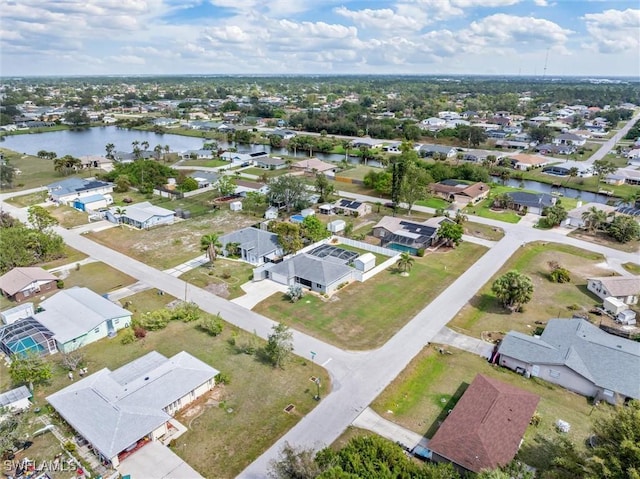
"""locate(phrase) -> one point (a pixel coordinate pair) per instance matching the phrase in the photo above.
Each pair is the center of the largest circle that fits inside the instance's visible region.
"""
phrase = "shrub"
(69, 446)
(295, 293)
(127, 336)
(573, 307)
(420, 252)
(186, 312)
(535, 419)
(223, 378)
(212, 324)
(225, 274)
(139, 332)
(60, 284)
(155, 320)
(560, 275)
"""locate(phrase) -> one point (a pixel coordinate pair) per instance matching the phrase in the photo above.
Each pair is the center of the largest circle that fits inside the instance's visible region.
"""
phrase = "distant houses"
(70, 189)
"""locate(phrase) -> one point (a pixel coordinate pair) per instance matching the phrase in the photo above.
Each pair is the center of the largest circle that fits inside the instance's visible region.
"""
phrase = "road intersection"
(357, 376)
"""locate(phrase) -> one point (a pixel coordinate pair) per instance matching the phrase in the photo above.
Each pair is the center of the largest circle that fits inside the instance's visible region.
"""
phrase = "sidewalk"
(68, 266)
(370, 420)
(130, 290)
(187, 266)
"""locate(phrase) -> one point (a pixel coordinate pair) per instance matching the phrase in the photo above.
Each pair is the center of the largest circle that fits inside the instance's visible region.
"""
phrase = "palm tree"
(110, 147)
(210, 244)
(572, 173)
(167, 149)
(145, 145)
(157, 151)
(346, 145)
(120, 212)
(594, 219)
(405, 263)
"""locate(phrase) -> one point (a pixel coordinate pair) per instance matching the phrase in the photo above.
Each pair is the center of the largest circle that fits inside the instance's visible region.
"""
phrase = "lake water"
(92, 141)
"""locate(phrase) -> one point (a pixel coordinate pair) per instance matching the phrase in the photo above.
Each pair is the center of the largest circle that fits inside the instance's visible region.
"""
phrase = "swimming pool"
(297, 218)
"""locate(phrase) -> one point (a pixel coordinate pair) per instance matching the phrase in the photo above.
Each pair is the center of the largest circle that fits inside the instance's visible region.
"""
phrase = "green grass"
(224, 278)
(207, 163)
(70, 256)
(484, 210)
(604, 239)
(433, 383)
(483, 231)
(358, 172)
(434, 203)
(216, 440)
(69, 217)
(98, 277)
(365, 315)
(259, 172)
(31, 199)
(36, 171)
(632, 268)
(484, 313)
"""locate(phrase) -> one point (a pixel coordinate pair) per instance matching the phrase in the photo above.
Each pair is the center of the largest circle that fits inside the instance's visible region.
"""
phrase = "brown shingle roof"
(19, 278)
(485, 428)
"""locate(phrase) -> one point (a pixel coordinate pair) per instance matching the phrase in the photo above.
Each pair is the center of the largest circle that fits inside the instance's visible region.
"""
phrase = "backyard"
(432, 383)
(365, 315)
(168, 246)
(98, 277)
(253, 401)
(484, 313)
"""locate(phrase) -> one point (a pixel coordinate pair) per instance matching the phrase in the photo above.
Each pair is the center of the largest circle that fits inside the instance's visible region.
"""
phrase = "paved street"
(610, 144)
(357, 377)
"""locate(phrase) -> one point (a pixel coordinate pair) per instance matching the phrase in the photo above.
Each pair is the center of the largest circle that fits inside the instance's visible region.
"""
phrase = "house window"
(554, 374)
(116, 321)
(97, 330)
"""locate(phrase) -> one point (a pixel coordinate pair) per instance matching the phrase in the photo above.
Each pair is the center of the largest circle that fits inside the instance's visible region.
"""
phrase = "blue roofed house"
(578, 356)
(78, 316)
(255, 246)
(120, 411)
(93, 202)
(141, 215)
(71, 189)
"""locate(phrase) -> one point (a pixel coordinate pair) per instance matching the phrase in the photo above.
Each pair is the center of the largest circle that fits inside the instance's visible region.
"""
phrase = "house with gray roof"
(119, 411)
(70, 189)
(141, 215)
(271, 163)
(428, 151)
(78, 316)
(578, 356)
(322, 275)
(532, 202)
(255, 246)
(624, 288)
(17, 399)
(205, 178)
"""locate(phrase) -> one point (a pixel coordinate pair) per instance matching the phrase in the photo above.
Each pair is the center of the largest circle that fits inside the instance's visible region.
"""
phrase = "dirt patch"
(221, 289)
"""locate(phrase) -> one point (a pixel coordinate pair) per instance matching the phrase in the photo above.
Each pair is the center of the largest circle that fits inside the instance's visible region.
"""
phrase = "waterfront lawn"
(168, 246)
(224, 278)
(98, 277)
(420, 397)
(35, 171)
(365, 315)
(253, 401)
(259, 172)
(358, 172)
(484, 313)
(207, 163)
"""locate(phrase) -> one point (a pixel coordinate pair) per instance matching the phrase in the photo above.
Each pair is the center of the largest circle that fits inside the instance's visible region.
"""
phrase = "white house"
(93, 202)
(68, 190)
(624, 288)
(78, 316)
(119, 411)
(433, 123)
(142, 215)
(569, 139)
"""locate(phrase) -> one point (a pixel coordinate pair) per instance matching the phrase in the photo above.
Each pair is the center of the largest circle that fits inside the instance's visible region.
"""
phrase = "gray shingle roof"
(609, 361)
(312, 269)
(259, 242)
(76, 311)
(113, 410)
(74, 185)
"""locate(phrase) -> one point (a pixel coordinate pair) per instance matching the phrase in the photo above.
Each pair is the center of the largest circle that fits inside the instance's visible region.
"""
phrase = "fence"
(366, 246)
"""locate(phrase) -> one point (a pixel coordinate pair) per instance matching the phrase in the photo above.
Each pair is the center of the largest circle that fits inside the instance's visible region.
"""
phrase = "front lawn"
(259, 172)
(70, 256)
(203, 162)
(223, 279)
(484, 210)
(484, 313)
(358, 172)
(98, 277)
(239, 421)
(432, 383)
(68, 217)
(365, 315)
(434, 202)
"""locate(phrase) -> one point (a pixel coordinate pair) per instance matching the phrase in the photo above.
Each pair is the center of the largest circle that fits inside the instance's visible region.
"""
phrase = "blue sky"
(508, 37)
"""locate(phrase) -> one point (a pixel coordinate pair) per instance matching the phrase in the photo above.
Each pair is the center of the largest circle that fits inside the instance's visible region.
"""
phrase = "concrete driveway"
(155, 461)
(257, 291)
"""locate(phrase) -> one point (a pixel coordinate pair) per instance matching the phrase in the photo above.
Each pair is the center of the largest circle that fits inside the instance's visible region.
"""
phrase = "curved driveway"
(357, 377)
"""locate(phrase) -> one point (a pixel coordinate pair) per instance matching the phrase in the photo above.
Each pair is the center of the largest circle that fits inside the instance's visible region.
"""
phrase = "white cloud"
(128, 59)
(614, 30)
(541, 3)
(380, 19)
(505, 29)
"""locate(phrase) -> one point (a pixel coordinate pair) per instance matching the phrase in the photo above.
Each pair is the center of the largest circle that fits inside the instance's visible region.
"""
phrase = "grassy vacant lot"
(31, 199)
(421, 395)
(168, 246)
(98, 277)
(240, 420)
(69, 217)
(550, 300)
(358, 172)
(259, 172)
(35, 171)
(483, 231)
(207, 163)
(365, 315)
(224, 278)
(605, 240)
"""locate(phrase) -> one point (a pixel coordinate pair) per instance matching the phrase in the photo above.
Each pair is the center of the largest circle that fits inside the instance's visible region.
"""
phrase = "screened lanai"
(26, 336)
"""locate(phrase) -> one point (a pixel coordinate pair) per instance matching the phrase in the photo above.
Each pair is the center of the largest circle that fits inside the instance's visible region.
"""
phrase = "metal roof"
(14, 395)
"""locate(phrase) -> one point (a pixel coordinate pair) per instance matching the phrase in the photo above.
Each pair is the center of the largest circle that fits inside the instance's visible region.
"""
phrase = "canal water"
(92, 141)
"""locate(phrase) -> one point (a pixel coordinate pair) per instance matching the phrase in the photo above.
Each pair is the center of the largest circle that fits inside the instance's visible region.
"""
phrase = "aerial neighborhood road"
(357, 377)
